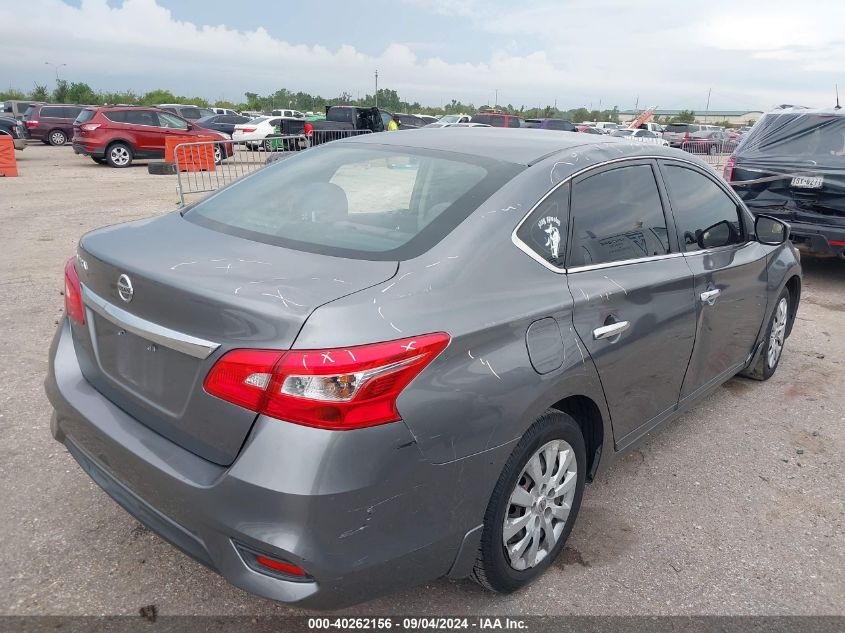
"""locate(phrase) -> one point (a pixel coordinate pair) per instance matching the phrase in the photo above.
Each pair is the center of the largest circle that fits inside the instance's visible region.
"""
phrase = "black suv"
(792, 166)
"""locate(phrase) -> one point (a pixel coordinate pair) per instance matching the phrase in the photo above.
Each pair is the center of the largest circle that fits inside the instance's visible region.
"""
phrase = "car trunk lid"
(194, 294)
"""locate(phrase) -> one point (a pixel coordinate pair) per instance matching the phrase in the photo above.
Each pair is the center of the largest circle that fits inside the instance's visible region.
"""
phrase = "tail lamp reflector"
(73, 293)
(340, 388)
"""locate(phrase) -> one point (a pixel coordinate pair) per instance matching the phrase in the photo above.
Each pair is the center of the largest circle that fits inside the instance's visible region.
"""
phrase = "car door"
(168, 125)
(729, 272)
(632, 292)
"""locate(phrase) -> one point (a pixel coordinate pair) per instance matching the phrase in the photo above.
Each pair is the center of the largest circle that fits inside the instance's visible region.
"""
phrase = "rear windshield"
(85, 115)
(356, 201)
(677, 127)
(798, 135)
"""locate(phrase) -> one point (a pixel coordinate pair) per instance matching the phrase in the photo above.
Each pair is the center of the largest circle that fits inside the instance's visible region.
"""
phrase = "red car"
(498, 119)
(119, 134)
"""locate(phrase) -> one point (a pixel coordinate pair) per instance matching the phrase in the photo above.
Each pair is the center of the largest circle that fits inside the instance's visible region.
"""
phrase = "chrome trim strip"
(623, 262)
(560, 271)
(185, 343)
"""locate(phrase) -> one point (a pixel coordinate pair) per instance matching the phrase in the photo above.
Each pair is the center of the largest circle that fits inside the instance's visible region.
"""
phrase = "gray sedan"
(403, 356)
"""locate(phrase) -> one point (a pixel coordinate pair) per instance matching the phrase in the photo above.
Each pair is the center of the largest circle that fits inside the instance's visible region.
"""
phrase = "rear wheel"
(772, 351)
(534, 505)
(711, 150)
(119, 155)
(57, 137)
(218, 154)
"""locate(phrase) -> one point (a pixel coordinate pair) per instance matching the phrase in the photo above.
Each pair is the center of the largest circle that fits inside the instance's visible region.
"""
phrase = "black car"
(791, 165)
(410, 121)
(551, 124)
(14, 128)
(222, 122)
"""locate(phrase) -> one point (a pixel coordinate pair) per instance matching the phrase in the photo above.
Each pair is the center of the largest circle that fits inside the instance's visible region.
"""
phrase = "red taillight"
(308, 129)
(278, 565)
(73, 293)
(247, 130)
(89, 127)
(728, 172)
(31, 123)
(342, 388)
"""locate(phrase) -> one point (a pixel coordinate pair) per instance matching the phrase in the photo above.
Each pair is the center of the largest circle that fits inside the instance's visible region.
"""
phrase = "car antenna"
(838, 107)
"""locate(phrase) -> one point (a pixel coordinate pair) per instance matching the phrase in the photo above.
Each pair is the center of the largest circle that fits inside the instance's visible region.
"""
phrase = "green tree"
(82, 93)
(39, 93)
(685, 116)
(158, 96)
(60, 91)
(12, 94)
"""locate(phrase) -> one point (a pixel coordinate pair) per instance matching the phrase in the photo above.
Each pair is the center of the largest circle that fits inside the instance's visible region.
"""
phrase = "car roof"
(523, 146)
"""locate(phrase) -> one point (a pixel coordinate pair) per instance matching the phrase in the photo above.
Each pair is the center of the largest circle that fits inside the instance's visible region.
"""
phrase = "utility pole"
(376, 87)
(707, 108)
(496, 100)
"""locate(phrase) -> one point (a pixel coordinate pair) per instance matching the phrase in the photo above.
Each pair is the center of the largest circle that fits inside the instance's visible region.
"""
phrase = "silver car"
(403, 356)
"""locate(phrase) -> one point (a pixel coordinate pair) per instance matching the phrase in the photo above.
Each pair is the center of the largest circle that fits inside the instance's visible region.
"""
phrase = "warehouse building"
(737, 117)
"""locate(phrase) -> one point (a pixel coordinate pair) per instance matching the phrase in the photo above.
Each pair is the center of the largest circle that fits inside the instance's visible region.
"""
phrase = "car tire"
(506, 571)
(773, 343)
(268, 145)
(219, 153)
(56, 138)
(711, 150)
(119, 155)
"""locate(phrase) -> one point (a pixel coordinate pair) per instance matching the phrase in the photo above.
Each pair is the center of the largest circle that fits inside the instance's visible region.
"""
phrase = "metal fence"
(715, 153)
(197, 172)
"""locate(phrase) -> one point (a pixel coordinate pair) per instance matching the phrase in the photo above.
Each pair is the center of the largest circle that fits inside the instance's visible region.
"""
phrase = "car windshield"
(357, 201)
(85, 115)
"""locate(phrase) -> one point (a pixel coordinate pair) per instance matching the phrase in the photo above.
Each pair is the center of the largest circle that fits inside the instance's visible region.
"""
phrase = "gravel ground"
(736, 508)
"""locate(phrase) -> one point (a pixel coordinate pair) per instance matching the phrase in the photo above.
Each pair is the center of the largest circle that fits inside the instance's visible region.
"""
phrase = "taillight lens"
(342, 388)
(308, 129)
(728, 172)
(89, 127)
(73, 293)
(247, 130)
(31, 123)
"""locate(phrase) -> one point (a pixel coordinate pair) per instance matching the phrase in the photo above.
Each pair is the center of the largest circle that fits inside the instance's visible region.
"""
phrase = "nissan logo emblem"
(124, 288)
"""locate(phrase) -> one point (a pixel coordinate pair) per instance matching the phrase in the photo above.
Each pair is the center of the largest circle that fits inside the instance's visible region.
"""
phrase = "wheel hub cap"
(539, 505)
(778, 334)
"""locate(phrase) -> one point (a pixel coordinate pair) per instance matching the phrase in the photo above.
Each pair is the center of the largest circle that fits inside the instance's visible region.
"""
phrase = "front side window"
(705, 215)
(357, 201)
(545, 230)
(617, 215)
(170, 121)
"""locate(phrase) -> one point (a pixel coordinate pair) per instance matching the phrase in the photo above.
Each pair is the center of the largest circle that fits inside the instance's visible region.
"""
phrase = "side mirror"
(719, 234)
(770, 230)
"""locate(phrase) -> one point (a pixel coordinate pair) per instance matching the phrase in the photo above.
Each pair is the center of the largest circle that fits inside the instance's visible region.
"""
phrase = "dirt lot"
(737, 508)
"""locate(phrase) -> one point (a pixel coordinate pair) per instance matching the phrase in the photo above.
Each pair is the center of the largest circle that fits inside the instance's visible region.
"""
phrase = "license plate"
(808, 182)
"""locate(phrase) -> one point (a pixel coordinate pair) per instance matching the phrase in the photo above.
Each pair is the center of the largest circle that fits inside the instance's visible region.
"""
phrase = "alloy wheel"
(119, 155)
(778, 334)
(539, 505)
(58, 138)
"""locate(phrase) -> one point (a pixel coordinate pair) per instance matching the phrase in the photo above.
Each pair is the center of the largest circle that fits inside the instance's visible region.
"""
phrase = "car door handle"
(609, 331)
(709, 297)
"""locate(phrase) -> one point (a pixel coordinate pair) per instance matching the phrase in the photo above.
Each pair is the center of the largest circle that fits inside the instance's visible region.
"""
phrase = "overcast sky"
(753, 53)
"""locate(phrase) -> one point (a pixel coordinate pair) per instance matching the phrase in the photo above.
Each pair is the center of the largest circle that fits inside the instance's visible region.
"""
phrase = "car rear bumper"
(89, 150)
(362, 512)
(818, 240)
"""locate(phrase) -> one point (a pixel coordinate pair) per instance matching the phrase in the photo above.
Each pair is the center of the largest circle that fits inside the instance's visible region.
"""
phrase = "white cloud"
(579, 53)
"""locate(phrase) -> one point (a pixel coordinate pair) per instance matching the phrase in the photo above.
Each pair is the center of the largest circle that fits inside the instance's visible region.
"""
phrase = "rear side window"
(356, 201)
(85, 115)
(116, 116)
(678, 127)
(701, 208)
(141, 117)
(545, 230)
(340, 115)
(617, 215)
(71, 112)
(51, 111)
(192, 114)
(560, 125)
